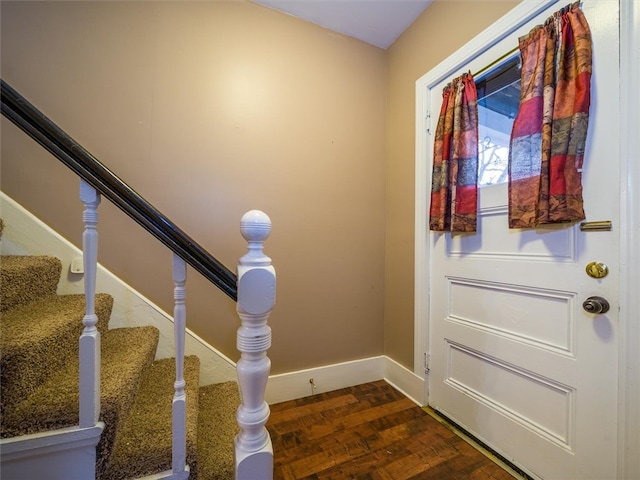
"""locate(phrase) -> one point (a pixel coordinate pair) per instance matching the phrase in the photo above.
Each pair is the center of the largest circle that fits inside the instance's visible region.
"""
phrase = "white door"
(514, 357)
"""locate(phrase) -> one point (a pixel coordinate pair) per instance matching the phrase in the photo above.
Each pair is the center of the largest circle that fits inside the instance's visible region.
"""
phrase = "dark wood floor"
(372, 432)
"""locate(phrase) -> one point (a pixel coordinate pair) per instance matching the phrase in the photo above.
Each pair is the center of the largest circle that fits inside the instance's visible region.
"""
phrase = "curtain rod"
(495, 62)
(577, 4)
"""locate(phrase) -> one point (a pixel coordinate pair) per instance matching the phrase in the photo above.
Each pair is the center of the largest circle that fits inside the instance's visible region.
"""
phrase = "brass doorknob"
(596, 305)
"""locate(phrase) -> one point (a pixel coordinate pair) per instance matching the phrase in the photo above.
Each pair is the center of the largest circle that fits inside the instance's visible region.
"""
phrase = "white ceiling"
(378, 22)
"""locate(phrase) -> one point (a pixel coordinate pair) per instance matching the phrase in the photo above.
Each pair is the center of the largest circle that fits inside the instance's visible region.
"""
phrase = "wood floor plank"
(370, 432)
(360, 418)
(341, 406)
(294, 412)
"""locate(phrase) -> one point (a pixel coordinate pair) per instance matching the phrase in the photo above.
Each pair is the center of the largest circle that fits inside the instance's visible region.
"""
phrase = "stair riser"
(27, 279)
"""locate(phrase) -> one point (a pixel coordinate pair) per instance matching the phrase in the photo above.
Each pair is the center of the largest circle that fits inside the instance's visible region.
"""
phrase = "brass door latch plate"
(601, 226)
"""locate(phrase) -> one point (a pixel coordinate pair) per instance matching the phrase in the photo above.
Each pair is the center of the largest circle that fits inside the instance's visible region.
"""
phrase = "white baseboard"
(292, 385)
(25, 234)
(404, 380)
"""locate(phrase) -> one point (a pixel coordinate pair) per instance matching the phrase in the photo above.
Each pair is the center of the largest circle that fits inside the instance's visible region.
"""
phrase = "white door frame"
(629, 356)
(629, 347)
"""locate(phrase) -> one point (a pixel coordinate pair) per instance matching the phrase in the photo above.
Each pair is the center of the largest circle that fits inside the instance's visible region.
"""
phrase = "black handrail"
(35, 124)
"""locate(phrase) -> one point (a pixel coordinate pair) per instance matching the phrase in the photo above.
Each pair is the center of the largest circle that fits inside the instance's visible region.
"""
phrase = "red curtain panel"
(549, 133)
(454, 189)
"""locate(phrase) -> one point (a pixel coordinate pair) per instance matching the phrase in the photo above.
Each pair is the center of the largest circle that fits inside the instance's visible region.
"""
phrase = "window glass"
(498, 101)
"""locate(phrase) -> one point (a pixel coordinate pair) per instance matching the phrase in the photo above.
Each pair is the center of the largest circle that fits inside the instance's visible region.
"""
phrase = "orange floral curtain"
(454, 189)
(550, 130)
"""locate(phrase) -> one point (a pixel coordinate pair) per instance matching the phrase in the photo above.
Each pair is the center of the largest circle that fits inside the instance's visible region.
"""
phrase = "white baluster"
(256, 297)
(179, 447)
(90, 338)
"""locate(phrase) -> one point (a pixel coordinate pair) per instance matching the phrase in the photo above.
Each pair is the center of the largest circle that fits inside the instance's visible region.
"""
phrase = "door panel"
(515, 359)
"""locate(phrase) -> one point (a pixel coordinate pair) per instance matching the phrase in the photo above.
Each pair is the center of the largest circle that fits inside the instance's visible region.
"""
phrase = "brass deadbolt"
(597, 270)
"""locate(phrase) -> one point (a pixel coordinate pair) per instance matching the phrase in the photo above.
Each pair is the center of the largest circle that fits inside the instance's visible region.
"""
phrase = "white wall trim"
(25, 234)
(292, 385)
(63, 454)
(404, 380)
(629, 355)
(49, 442)
(461, 60)
(289, 386)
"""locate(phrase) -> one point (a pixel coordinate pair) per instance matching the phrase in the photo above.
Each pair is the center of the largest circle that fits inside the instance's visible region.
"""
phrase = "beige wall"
(443, 27)
(209, 109)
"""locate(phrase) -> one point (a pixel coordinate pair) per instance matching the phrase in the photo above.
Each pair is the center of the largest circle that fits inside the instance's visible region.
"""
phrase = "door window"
(498, 101)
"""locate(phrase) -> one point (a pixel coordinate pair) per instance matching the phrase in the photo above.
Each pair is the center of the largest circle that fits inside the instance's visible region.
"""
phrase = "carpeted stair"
(39, 333)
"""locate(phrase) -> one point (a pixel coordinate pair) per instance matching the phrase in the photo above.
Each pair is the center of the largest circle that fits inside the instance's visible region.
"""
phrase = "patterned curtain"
(454, 189)
(550, 130)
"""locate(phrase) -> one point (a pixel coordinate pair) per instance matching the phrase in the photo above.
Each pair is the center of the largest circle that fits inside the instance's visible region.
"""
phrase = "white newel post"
(179, 445)
(256, 297)
(90, 338)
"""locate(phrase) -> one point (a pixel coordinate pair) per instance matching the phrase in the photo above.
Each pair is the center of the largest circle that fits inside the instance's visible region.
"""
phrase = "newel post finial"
(255, 227)
(256, 298)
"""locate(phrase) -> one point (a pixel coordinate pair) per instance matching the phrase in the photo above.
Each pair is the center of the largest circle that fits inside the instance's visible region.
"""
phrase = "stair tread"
(21, 326)
(143, 444)
(217, 428)
(32, 337)
(26, 278)
(126, 354)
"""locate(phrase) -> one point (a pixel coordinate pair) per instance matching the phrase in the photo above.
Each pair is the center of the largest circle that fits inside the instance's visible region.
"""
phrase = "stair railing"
(253, 290)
